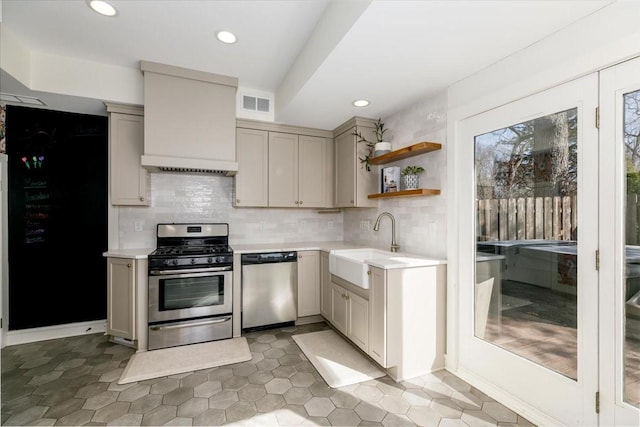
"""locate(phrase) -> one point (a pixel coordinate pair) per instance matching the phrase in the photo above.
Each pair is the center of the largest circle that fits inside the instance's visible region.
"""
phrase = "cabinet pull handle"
(237, 200)
(142, 199)
(300, 201)
(368, 272)
(129, 265)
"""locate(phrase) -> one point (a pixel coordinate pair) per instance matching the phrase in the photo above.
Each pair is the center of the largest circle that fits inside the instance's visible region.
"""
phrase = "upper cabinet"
(190, 120)
(283, 166)
(353, 183)
(128, 179)
(298, 170)
(252, 178)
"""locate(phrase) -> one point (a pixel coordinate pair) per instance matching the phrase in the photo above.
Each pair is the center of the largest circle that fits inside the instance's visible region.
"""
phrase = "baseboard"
(25, 336)
(309, 319)
(522, 408)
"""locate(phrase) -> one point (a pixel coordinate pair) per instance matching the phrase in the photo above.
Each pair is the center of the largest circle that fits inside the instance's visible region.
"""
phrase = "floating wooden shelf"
(406, 193)
(406, 152)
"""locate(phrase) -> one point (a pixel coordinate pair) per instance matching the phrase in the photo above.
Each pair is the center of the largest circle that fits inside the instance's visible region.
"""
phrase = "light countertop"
(133, 253)
(292, 246)
(142, 253)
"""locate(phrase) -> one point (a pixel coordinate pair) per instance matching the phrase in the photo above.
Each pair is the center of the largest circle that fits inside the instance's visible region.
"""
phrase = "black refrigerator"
(57, 209)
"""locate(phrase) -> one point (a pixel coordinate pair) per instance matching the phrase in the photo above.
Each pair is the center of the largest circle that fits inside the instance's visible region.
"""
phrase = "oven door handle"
(190, 324)
(181, 273)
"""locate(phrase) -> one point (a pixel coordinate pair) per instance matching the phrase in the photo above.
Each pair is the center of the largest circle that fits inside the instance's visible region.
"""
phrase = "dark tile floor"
(73, 381)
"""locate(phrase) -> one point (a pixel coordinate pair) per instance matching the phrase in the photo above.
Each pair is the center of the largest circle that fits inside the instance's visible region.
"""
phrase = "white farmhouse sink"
(352, 265)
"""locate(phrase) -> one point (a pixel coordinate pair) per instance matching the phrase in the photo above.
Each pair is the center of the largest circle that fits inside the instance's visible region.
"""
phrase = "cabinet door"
(312, 177)
(358, 321)
(121, 301)
(308, 283)
(252, 178)
(283, 170)
(128, 177)
(378, 316)
(345, 163)
(325, 287)
(339, 308)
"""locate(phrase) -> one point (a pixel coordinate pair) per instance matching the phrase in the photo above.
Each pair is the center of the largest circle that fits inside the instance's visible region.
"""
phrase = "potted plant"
(410, 174)
(374, 148)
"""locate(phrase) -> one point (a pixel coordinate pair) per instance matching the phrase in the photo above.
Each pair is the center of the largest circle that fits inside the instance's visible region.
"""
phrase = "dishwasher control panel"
(271, 257)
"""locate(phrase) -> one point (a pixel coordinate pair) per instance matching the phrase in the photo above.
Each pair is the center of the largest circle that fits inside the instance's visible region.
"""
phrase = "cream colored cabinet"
(407, 319)
(298, 171)
(339, 308)
(358, 321)
(283, 170)
(378, 316)
(252, 178)
(128, 179)
(127, 299)
(325, 286)
(350, 315)
(353, 183)
(308, 283)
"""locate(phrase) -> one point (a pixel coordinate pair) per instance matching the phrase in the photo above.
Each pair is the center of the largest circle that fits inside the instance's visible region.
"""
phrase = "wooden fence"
(551, 218)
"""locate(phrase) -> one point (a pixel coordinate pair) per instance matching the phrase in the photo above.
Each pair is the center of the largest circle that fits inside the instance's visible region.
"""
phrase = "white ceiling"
(315, 56)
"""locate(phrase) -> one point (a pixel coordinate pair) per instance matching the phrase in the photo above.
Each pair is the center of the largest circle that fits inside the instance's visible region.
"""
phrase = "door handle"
(190, 324)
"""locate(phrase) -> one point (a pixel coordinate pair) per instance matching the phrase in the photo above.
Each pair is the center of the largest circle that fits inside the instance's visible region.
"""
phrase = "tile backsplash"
(177, 197)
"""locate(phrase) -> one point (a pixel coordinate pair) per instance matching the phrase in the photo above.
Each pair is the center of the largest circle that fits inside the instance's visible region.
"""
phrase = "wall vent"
(255, 103)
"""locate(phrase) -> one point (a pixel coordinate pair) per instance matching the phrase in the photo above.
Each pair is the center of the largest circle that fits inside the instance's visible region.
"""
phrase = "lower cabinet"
(407, 320)
(127, 299)
(325, 286)
(350, 315)
(308, 283)
(378, 318)
(399, 321)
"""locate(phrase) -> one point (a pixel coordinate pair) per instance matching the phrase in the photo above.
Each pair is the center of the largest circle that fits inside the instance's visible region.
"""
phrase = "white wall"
(421, 222)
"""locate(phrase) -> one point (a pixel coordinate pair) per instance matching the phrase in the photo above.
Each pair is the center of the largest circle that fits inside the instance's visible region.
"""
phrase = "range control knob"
(193, 261)
(174, 262)
(210, 260)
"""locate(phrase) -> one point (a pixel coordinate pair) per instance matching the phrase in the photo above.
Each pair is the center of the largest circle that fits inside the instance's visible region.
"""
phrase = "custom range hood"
(189, 120)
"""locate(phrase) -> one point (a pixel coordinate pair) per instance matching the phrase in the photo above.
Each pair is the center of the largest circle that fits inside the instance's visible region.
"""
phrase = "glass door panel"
(527, 221)
(526, 239)
(631, 307)
(619, 233)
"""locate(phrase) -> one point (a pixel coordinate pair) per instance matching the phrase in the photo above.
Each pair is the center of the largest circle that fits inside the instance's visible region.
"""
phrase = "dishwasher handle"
(269, 258)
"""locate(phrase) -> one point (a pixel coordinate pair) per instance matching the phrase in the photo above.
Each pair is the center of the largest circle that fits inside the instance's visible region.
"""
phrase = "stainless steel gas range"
(190, 285)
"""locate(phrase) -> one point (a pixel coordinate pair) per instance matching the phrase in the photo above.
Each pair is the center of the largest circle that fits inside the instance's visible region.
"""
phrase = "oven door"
(185, 294)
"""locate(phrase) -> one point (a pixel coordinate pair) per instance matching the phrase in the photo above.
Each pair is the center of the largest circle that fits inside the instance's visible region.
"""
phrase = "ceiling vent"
(20, 99)
(255, 103)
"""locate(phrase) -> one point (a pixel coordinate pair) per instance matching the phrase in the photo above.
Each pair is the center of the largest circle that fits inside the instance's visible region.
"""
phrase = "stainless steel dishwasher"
(269, 289)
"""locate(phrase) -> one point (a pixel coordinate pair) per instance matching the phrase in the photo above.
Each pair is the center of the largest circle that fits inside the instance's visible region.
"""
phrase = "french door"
(528, 298)
(620, 244)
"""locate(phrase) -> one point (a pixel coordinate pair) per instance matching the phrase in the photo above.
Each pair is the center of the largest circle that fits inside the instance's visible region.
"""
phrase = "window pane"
(632, 236)
(526, 233)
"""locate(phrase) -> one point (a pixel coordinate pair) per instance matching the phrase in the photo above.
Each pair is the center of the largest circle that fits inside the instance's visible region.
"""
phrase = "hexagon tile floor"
(73, 381)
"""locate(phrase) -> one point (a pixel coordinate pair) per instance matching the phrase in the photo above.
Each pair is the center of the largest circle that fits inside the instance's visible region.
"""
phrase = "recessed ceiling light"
(360, 103)
(226, 37)
(102, 7)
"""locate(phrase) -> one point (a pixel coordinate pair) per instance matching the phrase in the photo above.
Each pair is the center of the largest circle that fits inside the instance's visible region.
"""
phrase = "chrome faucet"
(376, 227)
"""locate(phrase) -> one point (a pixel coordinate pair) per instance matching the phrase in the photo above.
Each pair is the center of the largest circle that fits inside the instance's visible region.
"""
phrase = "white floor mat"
(338, 362)
(186, 358)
